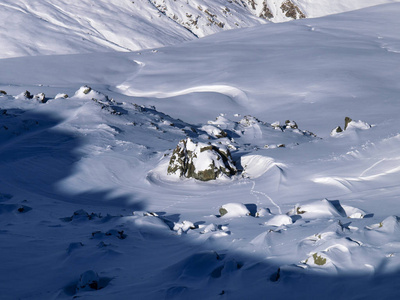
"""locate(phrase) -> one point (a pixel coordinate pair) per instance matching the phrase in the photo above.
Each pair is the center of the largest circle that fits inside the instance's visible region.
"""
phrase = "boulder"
(28, 95)
(41, 97)
(291, 124)
(347, 120)
(233, 210)
(201, 161)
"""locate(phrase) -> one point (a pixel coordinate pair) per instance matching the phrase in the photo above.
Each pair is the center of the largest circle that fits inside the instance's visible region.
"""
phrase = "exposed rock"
(249, 121)
(291, 124)
(319, 260)
(28, 95)
(350, 124)
(200, 161)
(81, 215)
(266, 12)
(292, 11)
(336, 130)
(86, 89)
(347, 120)
(24, 209)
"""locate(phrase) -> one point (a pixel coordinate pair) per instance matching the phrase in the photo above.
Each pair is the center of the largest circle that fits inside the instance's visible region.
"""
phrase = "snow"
(62, 27)
(88, 210)
(279, 220)
(234, 210)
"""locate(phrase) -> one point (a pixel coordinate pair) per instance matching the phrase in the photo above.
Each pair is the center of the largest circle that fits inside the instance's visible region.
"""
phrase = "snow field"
(84, 189)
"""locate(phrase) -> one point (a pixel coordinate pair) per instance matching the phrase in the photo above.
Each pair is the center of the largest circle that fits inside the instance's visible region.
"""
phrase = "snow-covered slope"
(42, 27)
(37, 27)
(88, 209)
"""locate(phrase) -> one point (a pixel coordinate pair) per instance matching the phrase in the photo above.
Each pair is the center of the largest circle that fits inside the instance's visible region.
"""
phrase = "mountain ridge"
(60, 27)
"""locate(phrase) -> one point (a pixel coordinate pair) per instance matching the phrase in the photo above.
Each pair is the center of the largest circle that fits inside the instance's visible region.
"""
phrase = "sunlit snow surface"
(323, 209)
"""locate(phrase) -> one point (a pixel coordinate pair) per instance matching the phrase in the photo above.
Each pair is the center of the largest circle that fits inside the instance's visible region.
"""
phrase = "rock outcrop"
(349, 125)
(201, 161)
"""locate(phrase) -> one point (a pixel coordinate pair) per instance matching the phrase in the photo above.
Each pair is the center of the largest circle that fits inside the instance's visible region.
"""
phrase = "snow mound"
(389, 225)
(320, 209)
(233, 210)
(183, 227)
(86, 92)
(350, 126)
(255, 166)
(355, 213)
(279, 220)
(88, 281)
(263, 212)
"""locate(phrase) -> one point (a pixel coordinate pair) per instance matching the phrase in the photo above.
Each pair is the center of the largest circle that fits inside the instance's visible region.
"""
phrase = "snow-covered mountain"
(42, 27)
(211, 169)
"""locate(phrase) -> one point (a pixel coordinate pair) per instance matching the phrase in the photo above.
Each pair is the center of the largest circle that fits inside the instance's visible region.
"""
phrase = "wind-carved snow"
(84, 189)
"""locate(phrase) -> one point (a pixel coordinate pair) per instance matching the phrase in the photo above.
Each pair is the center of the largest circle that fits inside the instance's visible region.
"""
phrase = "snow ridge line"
(253, 191)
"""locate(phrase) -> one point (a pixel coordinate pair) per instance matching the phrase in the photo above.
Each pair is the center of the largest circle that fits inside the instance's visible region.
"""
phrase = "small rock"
(40, 97)
(24, 209)
(61, 95)
(86, 90)
(28, 95)
(347, 120)
(291, 124)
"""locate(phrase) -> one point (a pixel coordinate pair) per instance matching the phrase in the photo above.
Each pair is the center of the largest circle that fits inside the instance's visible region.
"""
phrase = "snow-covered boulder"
(279, 220)
(214, 131)
(255, 166)
(232, 210)
(89, 280)
(200, 161)
(86, 92)
(350, 125)
(41, 97)
(183, 227)
(319, 209)
(61, 96)
(263, 212)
